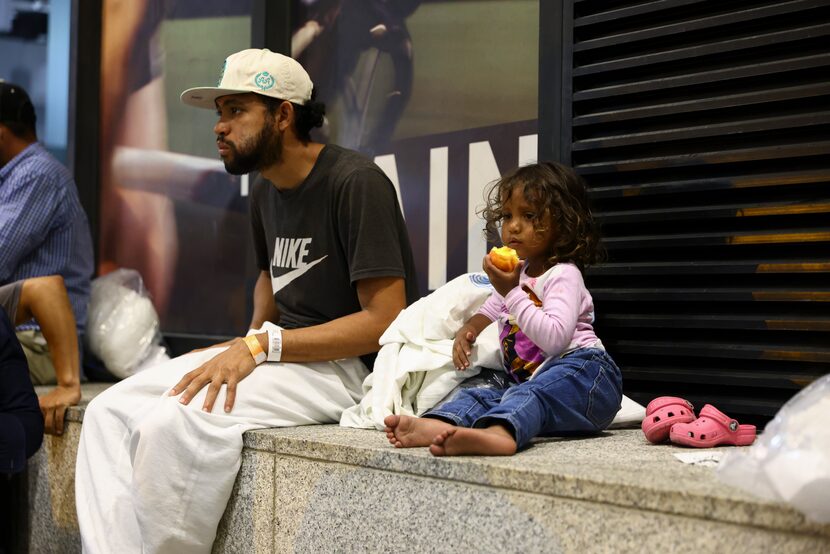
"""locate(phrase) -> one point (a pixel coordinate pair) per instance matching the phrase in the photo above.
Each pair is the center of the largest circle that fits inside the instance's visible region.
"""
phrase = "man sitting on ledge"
(43, 233)
(159, 451)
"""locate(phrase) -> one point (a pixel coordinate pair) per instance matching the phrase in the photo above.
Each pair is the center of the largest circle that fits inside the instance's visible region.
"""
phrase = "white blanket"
(414, 369)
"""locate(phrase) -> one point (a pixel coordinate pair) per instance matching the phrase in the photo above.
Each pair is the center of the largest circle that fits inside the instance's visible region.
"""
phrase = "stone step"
(327, 488)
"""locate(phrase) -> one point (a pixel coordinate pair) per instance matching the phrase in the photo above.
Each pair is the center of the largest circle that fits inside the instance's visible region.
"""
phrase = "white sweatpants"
(155, 476)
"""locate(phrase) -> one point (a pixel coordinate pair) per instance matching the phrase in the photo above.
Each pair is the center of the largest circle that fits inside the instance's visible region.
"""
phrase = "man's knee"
(38, 286)
(46, 291)
(103, 406)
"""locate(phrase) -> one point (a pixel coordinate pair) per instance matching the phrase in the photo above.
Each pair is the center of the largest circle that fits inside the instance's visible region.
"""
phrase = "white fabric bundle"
(414, 368)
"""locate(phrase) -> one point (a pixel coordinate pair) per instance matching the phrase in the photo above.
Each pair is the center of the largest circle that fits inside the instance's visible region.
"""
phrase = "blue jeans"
(578, 393)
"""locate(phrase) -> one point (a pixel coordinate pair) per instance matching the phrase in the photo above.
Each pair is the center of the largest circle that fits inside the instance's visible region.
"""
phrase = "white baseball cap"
(259, 71)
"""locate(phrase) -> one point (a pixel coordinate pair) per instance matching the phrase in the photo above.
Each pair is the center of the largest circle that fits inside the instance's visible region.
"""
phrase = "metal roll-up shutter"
(703, 130)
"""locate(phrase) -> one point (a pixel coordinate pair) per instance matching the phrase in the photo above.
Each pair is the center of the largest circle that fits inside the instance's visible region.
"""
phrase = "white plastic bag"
(790, 461)
(122, 325)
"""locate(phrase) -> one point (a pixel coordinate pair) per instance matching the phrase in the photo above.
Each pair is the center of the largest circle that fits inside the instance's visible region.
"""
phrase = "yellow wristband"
(256, 349)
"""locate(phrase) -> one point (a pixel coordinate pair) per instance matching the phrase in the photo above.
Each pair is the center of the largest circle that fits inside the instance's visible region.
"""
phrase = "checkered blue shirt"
(43, 228)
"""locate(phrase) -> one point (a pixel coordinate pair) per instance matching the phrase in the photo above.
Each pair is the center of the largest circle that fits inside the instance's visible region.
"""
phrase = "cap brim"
(205, 97)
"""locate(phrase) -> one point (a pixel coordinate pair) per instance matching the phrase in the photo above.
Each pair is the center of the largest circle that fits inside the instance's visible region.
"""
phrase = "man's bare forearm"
(353, 335)
(265, 309)
(356, 334)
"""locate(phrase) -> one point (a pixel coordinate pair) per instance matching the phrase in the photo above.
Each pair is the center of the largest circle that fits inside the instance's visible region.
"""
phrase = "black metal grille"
(702, 128)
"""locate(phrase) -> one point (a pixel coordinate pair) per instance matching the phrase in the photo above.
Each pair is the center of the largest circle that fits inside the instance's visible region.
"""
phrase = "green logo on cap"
(222, 73)
(264, 80)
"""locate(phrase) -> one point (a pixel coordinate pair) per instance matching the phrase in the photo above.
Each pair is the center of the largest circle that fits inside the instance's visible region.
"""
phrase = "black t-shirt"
(342, 224)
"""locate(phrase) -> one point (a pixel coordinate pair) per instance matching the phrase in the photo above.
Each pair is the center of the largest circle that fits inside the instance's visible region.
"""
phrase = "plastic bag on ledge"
(790, 461)
(122, 325)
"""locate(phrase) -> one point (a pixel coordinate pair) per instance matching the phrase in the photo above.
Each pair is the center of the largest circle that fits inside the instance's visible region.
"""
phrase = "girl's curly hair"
(561, 197)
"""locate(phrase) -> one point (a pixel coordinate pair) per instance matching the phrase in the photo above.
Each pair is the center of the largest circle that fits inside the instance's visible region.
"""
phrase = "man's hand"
(53, 405)
(230, 367)
(217, 345)
(502, 281)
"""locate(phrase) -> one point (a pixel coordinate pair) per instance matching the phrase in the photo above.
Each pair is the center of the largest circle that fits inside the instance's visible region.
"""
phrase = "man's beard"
(263, 151)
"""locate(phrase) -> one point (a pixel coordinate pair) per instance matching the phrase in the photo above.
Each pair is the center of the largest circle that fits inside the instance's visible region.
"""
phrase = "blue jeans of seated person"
(579, 393)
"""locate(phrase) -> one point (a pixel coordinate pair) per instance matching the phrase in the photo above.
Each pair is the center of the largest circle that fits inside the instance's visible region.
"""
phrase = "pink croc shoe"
(712, 428)
(662, 413)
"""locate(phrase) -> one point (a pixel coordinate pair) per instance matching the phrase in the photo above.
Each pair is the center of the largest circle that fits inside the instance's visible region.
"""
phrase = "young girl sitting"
(562, 379)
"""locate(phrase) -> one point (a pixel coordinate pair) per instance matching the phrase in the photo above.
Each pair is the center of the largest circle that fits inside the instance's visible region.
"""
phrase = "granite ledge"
(618, 468)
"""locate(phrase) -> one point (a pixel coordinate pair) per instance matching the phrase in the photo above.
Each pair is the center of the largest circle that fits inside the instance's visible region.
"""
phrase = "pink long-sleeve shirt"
(543, 317)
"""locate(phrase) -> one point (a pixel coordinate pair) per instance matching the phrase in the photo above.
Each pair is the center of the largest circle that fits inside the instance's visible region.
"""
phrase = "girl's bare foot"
(406, 431)
(458, 441)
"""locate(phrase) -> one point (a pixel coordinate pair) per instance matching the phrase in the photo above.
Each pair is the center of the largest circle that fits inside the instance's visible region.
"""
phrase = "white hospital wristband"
(274, 345)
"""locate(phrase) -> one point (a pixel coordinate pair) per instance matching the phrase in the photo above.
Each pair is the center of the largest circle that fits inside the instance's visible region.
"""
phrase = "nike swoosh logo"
(279, 283)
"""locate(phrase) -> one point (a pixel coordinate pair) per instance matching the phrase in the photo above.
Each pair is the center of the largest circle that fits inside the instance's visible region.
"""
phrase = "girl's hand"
(462, 348)
(502, 281)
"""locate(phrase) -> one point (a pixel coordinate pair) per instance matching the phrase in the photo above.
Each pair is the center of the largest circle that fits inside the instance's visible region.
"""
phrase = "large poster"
(442, 94)
(168, 208)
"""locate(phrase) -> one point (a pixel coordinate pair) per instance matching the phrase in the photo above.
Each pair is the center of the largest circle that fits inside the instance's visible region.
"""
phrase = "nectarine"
(504, 258)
